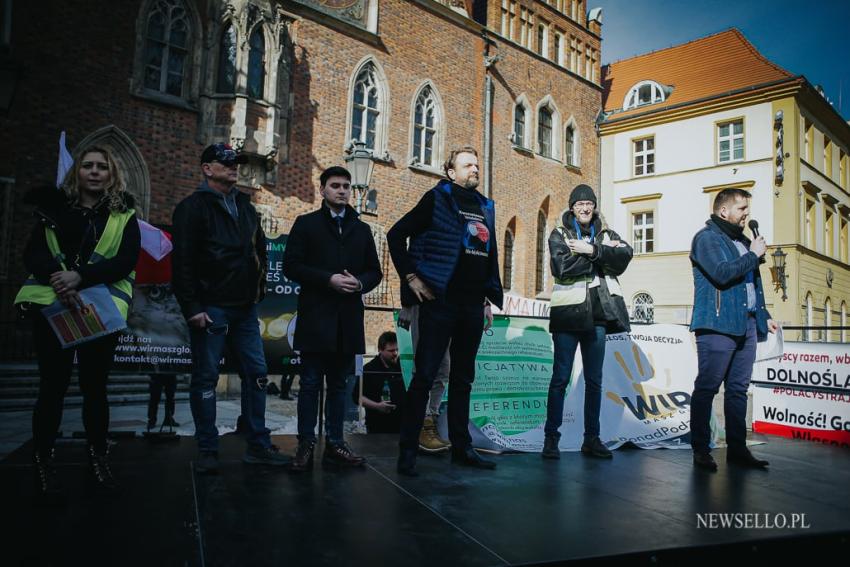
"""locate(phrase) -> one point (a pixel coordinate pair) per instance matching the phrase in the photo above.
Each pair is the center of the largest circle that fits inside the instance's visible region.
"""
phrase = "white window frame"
(555, 143)
(433, 95)
(645, 153)
(810, 317)
(522, 101)
(731, 137)
(559, 48)
(646, 300)
(640, 241)
(632, 99)
(827, 320)
(384, 111)
(575, 159)
(542, 50)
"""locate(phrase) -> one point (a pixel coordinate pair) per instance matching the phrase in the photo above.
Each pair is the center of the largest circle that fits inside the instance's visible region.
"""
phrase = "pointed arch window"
(226, 81)
(827, 321)
(426, 122)
(256, 64)
(570, 154)
(544, 131)
(540, 260)
(508, 271)
(167, 40)
(366, 109)
(519, 137)
(810, 318)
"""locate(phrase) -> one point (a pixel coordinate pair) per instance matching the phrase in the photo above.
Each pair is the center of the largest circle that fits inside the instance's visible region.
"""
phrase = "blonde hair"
(114, 191)
(450, 161)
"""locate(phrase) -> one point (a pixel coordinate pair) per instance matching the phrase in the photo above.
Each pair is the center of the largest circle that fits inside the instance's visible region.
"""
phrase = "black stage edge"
(638, 509)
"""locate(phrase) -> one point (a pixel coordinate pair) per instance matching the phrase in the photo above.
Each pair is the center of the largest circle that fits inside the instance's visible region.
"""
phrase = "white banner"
(805, 394)
(647, 380)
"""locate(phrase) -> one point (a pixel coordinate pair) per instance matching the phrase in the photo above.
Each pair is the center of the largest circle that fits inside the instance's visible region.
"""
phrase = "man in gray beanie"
(587, 303)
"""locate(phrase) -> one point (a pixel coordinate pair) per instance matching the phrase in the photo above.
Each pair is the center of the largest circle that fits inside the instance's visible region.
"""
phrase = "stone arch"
(128, 158)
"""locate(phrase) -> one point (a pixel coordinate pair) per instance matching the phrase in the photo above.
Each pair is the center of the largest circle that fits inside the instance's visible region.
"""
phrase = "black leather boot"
(550, 447)
(101, 473)
(47, 481)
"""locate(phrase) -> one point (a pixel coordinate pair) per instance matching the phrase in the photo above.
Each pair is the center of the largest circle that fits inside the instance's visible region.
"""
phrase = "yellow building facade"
(679, 126)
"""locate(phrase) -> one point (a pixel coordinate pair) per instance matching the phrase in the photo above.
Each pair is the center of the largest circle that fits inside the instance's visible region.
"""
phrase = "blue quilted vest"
(437, 250)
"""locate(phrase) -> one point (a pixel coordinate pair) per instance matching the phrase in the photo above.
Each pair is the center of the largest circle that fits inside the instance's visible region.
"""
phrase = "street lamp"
(359, 161)
(777, 272)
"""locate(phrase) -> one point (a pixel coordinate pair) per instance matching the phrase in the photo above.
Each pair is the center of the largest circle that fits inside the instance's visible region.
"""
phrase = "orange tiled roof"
(702, 68)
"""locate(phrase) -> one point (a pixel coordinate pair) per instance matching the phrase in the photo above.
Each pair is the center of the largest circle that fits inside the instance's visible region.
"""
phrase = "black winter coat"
(217, 260)
(329, 321)
(78, 231)
(605, 261)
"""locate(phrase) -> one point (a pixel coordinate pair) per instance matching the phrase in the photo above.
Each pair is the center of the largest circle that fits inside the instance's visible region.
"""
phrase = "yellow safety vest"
(107, 247)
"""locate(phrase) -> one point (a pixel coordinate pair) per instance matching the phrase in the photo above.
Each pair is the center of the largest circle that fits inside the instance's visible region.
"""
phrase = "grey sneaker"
(207, 462)
(257, 455)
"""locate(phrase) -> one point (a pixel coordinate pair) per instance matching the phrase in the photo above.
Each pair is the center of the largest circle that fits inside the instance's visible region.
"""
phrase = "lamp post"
(777, 272)
(359, 162)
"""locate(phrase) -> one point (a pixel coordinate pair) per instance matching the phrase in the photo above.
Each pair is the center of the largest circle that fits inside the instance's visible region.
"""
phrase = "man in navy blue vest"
(729, 318)
(451, 268)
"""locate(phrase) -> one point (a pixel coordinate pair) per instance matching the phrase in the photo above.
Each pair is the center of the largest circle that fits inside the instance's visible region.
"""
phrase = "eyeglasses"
(338, 185)
(584, 205)
(227, 163)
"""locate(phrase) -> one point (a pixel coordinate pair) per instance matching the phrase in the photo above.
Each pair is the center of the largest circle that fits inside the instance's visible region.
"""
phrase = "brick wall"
(76, 70)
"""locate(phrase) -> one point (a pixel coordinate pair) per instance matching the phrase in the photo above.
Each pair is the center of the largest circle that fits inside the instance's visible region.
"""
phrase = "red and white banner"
(805, 394)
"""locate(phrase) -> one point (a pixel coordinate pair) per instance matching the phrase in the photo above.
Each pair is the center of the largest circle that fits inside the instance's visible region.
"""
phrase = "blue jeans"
(335, 368)
(592, 343)
(723, 359)
(239, 330)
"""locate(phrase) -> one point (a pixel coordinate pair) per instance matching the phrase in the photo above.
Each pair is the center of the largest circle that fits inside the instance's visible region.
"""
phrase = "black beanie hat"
(582, 193)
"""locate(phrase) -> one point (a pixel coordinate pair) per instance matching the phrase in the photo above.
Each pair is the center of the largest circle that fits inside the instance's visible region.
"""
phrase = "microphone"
(754, 227)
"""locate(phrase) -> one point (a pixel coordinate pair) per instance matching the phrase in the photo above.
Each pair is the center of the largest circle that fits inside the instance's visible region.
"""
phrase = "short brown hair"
(727, 195)
(450, 161)
(386, 338)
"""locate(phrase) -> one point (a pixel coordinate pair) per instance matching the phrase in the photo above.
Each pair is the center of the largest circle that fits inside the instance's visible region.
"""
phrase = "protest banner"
(805, 394)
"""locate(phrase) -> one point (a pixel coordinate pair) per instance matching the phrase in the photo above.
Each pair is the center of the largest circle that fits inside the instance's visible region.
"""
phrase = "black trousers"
(160, 382)
(439, 322)
(94, 360)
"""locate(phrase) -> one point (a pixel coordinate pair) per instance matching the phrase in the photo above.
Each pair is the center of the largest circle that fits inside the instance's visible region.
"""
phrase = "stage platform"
(639, 509)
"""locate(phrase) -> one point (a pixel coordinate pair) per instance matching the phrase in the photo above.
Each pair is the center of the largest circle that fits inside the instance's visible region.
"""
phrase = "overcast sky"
(805, 37)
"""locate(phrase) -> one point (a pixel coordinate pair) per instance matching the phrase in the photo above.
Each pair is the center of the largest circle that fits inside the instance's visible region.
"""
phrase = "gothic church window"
(226, 82)
(256, 64)
(166, 48)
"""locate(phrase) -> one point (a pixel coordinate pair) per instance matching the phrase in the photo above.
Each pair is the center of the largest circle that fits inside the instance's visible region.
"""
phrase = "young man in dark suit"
(332, 254)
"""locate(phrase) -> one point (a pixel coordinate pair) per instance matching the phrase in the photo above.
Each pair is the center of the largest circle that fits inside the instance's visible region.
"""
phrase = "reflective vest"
(107, 247)
(573, 291)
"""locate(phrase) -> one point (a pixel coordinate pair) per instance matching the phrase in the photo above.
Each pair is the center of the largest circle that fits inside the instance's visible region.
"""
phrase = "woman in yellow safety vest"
(86, 234)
